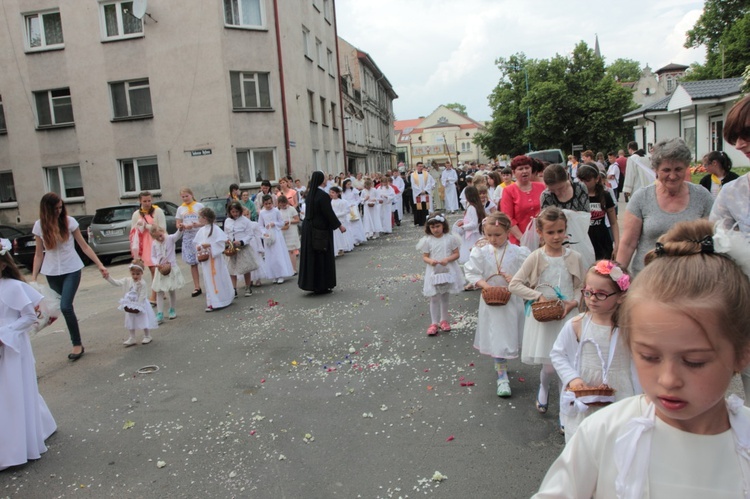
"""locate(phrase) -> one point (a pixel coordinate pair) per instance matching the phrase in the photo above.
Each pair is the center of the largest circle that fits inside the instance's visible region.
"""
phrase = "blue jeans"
(66, 286)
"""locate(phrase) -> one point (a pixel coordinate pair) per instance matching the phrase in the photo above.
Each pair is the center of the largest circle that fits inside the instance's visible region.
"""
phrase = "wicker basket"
(165, 268)
(496, 295)
(203, 255)
(597, 391)
(131, 310)
(547, 311)
(230, 249)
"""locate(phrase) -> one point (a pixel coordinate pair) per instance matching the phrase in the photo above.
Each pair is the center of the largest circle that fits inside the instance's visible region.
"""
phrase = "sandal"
(541, 408)
(196, 292)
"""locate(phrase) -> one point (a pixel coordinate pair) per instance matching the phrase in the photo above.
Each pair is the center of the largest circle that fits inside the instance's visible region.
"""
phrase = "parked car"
(24, 246)
(551, 156)
(219, 206)
(109, 232)
(12, 234)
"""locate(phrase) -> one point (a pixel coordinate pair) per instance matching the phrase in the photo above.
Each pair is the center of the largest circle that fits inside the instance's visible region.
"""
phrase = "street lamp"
(528, 111)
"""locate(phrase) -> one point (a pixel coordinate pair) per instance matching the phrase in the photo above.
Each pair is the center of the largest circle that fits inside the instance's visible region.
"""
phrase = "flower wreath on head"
(613, 270)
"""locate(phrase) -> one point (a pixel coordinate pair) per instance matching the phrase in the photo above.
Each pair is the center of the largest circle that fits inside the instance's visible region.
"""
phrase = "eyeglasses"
(599, 295)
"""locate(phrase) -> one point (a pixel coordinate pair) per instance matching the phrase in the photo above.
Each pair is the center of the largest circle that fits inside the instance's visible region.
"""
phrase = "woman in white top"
(56, 258)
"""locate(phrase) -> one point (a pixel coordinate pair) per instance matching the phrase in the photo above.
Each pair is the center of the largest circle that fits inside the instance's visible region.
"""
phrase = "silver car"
(109, 232)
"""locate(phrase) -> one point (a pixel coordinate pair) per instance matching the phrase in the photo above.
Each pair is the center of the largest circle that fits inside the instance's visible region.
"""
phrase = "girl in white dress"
(353, 222)
(210, 242)
(589, 350)
(241, 231)
(25, 420)
(442, 274)
(685, 322)
(135, 304)
(386, 195)
(290, 216)
(471, 223)
(371, 215)
(164, 257)
(551, 272)
(277, 264)
(493, 262)
(342, 241)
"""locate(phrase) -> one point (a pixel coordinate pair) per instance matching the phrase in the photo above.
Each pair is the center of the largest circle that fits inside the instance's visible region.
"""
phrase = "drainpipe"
(338, 83)
(283, 89)
(695, 114)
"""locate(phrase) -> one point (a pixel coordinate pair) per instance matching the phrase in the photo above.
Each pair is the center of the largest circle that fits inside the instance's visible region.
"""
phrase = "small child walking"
(371, 212)
(471, 223)
(685, 322)
(168, 277)
(241, 232)
(342, 241)
(135, 304)
(442, 275)
(493, 262)
(210, 243)
(277, 264)
(290, 229)
(552, 272)
(589, 350)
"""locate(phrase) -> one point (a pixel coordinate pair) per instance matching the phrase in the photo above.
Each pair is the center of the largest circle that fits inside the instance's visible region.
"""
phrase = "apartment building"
(368, 99)
(100, 100)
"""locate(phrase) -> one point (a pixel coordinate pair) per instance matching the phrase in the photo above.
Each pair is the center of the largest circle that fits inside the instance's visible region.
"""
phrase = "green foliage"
(624, 70)
(724, 29)
(570, 99)
(455, 106)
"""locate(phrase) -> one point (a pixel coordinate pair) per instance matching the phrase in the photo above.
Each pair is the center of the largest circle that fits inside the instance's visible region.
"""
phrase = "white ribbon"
(632, 455)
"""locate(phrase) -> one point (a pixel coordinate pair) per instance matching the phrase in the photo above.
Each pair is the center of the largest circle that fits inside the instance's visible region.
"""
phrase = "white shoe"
(280, 280)
(503, 388)
(129, 342)
(146, 340)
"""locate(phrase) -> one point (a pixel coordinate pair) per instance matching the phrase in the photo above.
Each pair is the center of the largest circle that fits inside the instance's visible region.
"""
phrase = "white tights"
(546, 377)
(160, 300)
(439, 308)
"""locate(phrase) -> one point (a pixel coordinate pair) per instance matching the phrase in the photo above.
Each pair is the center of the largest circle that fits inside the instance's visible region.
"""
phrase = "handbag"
(548, 311)
(496, 295)
(165, 268)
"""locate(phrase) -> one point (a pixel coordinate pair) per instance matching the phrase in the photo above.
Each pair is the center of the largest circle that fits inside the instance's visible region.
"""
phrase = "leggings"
(66, 286)
(439, 308)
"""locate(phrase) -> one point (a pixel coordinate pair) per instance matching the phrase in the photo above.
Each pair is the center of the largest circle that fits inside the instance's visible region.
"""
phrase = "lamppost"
(528, 111)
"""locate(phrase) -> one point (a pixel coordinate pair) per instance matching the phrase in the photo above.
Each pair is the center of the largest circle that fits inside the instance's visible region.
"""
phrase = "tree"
(624, 70)
(455, 106)
(570, 100)
(724, 29)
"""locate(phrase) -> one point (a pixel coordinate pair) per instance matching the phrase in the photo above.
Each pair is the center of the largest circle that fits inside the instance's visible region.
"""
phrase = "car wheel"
(105, 259)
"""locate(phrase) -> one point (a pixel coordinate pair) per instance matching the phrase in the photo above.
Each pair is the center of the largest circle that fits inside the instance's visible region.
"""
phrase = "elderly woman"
(654, 209)
(521, 201)
(718, 166)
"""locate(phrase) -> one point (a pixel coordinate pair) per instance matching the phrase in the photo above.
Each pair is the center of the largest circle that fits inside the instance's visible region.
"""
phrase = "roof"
(671, 67)
(710, 89)
(660, 105)
(379, 75)
(404, 124)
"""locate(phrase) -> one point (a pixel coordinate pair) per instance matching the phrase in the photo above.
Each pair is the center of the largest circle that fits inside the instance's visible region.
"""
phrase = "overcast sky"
(439, 51)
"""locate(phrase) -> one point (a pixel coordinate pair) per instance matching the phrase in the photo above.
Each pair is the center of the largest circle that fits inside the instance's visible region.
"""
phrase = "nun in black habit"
(317, 266)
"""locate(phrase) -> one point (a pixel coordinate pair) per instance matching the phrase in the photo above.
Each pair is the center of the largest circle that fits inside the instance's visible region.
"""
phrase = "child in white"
(163, 255)
(371, 215)
(25, 420)
(386, 196)
(589, 351)
(290, 229)
(442, 274)
(471, 222)
(138, 311)
(551, 272)
(277, 264)
(688, 335)
(211, 242)
(241, 231)
(493, 262)
(353, 222)
(342, 241)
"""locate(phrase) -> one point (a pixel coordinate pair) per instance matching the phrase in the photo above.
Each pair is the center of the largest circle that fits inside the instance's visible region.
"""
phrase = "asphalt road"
(284, 394)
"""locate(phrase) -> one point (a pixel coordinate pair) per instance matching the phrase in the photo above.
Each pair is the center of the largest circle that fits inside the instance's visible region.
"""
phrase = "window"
(331, 66)
(65, 181)
(327, 10)
(53, 107)
(319, 53)
(338, 159)
(316, 159)
(118, 21)
(255, 165)
(7, 188)
(3, 128)
(131, 99)
(306, 43)
(43, 31)
(329, 165)
(670, 84)
(250, 90)
(334, 116)
(139, 174)
(315, 4)
(717, 133)
(244, 13)
(311, 102)
(323, 111)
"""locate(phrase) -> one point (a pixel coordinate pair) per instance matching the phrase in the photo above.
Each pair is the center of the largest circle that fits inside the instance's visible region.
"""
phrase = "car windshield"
(218, 205)
(548, 156)
(113, 215)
